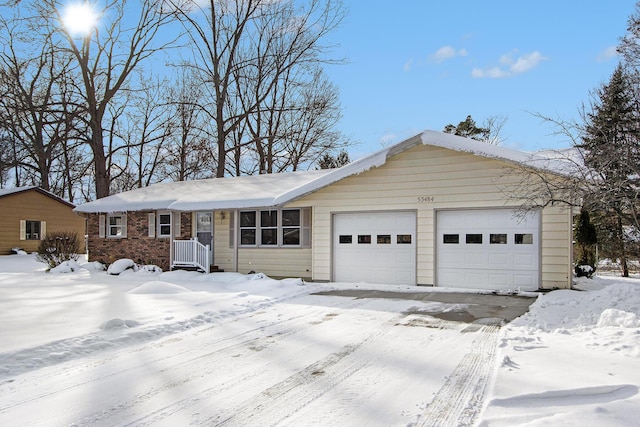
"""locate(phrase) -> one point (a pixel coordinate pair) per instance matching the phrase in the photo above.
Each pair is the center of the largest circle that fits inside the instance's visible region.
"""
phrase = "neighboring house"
(426, 211)
(27, 214)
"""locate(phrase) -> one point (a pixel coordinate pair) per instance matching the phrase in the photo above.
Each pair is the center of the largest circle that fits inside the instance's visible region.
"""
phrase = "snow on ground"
(84, 347)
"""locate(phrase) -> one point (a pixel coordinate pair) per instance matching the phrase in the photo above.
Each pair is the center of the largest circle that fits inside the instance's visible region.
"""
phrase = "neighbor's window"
(291, 227)
(32, 230)
(248, 227)
(474, 239)
(451, 239)
(116, 225)
(164, 224)
(524, 239)
(498, 239)
(268, 228)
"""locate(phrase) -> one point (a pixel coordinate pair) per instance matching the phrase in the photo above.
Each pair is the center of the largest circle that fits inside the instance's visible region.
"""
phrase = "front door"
(204, 231)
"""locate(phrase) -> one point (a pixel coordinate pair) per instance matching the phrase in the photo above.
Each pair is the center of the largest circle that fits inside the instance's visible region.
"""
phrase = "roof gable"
(17, 190)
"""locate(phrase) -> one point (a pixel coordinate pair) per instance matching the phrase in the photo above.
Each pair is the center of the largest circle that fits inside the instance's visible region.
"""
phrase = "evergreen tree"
(327, 161)
(586, 237)
(468, 129)
(612, 151)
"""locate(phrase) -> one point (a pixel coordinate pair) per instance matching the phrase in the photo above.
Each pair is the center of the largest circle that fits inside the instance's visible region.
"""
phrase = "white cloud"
(509, 67)
(527, 62)
(447, 52)
(407, 65)
(607, 54)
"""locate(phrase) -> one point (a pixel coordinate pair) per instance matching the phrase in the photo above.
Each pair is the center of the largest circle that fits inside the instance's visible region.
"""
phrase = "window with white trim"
(275, 228)
(164, 224)
(268, 228)
(291, 225)
(247, 228)
(117, 225)
(32, 230)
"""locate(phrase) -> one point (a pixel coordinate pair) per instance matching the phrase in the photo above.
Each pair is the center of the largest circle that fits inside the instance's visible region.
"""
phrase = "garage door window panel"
(403, 239)
(498, 239)
(451, 239)
(474, 239)
(524, 239)
(345, 239)
(383, 239)
(364, 239)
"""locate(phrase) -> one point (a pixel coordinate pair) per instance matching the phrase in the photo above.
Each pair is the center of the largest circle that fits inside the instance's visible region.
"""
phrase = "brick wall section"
(137, 246)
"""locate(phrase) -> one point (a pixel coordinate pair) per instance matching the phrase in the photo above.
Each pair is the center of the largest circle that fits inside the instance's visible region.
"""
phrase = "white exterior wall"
(424, 179)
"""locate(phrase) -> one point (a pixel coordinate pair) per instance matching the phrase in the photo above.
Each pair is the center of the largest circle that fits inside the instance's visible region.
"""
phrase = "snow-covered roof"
(8, 191)
(16, 190)
(278, 189)
(206, 194)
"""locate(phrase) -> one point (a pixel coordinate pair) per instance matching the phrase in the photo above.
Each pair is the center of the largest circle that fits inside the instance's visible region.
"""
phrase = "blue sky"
(421, 64)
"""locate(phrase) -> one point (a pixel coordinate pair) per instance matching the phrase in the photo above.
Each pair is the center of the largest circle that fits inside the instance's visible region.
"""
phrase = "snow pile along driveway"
(572, 360)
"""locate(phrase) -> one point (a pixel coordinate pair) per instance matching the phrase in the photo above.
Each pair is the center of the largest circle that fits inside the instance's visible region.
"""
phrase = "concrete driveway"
(469, 307)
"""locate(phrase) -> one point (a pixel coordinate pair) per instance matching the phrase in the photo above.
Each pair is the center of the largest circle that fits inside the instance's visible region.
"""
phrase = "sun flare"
(79, 19)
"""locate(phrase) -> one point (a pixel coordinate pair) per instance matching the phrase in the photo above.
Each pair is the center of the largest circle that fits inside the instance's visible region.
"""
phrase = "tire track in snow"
(459, 400)
(200, 366)
(280, 401)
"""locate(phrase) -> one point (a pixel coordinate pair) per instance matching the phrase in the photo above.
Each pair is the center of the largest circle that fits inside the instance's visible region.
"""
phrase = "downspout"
(236, 237)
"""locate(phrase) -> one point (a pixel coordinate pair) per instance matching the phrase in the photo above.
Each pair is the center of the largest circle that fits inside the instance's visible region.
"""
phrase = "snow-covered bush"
(58, 247)
(121, 265)
(584, 271)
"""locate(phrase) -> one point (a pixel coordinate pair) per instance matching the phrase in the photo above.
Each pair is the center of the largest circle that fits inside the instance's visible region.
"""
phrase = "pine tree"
(586, 237)
(468, 129)
(612, 151)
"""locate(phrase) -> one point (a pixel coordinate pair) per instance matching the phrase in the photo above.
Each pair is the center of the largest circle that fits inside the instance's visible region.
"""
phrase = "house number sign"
(425, 199)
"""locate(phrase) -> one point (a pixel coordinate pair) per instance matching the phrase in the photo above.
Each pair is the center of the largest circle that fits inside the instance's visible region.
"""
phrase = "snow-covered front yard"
(182, 348)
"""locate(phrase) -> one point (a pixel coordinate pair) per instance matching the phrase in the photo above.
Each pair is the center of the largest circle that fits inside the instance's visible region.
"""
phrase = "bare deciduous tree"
(244, 49)
(105, 60)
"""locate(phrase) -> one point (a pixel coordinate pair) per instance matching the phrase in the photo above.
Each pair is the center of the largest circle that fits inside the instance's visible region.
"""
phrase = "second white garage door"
(493, 249)
(376, 247)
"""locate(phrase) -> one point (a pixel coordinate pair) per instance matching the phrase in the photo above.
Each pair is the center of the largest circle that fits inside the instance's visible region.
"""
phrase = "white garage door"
(488, 249)
(378, 247)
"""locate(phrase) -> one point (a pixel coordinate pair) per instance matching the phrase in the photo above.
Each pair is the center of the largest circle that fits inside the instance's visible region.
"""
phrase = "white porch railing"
(190, 253)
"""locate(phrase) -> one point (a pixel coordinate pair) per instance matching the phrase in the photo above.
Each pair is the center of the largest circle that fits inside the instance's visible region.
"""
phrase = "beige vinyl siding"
(274, 262)
(31, 205)
(453, 180)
